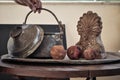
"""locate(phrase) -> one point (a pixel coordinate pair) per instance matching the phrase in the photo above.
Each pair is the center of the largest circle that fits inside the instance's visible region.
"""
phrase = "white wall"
(69, 14)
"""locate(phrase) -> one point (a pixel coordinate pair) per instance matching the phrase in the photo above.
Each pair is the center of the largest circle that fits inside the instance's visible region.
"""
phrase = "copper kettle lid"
(24, 40)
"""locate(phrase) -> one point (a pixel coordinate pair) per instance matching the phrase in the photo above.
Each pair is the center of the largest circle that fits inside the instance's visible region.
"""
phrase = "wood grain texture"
(60, 71)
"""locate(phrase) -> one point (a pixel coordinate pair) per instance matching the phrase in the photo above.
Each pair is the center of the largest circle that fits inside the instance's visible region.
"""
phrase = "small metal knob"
(16, 32)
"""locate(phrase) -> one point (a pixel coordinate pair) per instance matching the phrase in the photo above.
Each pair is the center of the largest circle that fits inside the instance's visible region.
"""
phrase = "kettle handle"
(59, 22)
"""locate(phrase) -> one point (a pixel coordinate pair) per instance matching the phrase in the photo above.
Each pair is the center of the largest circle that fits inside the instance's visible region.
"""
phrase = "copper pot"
(25, 39)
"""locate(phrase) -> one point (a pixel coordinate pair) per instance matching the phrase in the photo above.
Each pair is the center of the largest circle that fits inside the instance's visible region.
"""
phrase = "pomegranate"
(58, 52)
(91, 54)
(74, 52)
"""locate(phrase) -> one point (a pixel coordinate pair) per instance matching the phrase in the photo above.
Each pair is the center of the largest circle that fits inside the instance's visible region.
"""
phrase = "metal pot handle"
(59, 22)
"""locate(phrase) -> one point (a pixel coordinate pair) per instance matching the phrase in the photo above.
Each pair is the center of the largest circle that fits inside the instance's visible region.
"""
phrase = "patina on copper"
(24, 40)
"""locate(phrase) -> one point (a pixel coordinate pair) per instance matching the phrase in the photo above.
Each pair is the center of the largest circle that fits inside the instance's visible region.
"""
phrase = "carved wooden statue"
(89, 28)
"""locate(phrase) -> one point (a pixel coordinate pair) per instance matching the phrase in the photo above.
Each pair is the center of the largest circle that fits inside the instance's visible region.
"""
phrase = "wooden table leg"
(91, 78)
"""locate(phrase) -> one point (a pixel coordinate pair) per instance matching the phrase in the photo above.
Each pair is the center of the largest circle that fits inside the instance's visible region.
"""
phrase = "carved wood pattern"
(89, 28)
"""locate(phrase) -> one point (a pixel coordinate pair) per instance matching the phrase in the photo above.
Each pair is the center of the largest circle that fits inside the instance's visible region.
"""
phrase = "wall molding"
(66, 2)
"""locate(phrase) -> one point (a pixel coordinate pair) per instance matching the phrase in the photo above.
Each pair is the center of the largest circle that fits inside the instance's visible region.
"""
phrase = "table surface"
(60, 71)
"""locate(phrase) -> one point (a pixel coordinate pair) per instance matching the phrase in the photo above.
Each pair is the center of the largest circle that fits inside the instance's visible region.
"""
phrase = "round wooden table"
(60, 72)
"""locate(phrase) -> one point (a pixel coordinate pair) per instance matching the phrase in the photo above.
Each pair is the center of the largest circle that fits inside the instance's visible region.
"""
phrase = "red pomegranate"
(91, 54)
(74, 52)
